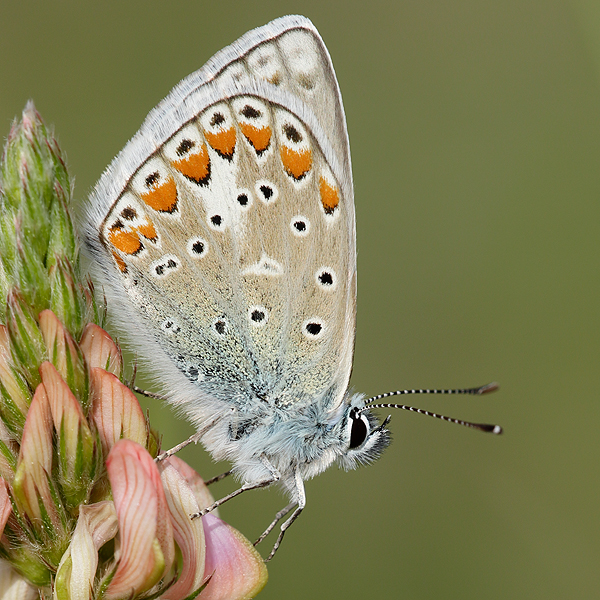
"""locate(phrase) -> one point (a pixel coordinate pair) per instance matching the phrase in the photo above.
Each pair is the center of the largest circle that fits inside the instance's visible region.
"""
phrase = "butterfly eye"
(359, 430)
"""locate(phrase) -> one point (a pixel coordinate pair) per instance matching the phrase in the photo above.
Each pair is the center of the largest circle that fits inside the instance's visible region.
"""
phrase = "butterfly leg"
(301, 502)
(274, 476)
(218, 477)
(278, 517)
(194, 438)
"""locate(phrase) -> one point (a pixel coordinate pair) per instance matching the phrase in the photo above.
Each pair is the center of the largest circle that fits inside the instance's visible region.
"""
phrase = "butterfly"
(224, 238)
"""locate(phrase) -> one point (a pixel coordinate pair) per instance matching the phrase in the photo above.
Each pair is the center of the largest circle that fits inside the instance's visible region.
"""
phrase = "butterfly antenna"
(484, 389)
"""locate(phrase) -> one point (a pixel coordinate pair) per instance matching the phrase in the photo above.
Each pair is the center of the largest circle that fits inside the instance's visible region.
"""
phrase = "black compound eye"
(359, 431)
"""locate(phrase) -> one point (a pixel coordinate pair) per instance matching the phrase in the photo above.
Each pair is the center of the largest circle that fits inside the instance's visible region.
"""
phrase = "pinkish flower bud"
(99, 350)
(64, 354)
(36, 496)
(116, 411)
(76, 463)
(31, 483)
(145, 530)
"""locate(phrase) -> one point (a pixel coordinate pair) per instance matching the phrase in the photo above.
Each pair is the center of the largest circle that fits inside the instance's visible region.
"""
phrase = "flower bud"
(77, 465)
(99, 350)
(75, 576)
(29, 350)
(35, 493)
(147, 549)
(64, 355)
(116, 411)
(66, 298)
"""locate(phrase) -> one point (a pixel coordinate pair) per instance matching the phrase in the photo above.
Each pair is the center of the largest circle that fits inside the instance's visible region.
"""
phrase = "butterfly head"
(363, 438)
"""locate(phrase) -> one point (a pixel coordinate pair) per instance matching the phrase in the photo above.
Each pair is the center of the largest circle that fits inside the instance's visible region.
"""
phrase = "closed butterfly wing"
(224, 231)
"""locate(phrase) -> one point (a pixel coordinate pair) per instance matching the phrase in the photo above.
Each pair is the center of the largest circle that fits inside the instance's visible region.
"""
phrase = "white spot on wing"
(265, 266)
(197, 247)
(164, 266)
(267, 191)
(300, 226)
(302, 57)
(313, 328)
(264, 62)
(258, 316)
(326, 279)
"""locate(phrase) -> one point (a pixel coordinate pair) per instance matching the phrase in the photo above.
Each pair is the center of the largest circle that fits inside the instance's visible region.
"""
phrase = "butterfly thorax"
(304, 439)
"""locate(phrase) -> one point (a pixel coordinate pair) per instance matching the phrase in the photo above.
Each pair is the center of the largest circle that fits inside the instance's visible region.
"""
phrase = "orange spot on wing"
(147, 230)
(296, 164)
(223, 141)
(195, 166)
(330, 197)
(120, 263)
(127, 242)
(260, 138)
(162, 197)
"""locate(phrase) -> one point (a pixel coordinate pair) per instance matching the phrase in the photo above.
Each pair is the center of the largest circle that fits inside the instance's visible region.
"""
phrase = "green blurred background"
(475, 133)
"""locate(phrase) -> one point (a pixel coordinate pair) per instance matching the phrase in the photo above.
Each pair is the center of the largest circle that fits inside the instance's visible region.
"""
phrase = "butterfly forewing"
(239, 231)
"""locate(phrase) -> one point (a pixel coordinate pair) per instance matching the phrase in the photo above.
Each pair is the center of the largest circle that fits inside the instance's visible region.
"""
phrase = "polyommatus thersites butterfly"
(224, 237)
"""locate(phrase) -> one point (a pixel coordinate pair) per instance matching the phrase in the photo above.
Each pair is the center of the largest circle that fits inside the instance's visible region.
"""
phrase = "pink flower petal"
(189, 534)
(101, 519)
(64, 407)
(60, 346)
(15, 386)
(35, 460)
(99, 350)
(203, 496)
(238, 571)
(116, 411)
(147, 548)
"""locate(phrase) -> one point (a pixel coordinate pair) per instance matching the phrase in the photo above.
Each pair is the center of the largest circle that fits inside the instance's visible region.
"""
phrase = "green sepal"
(12, 416)
(63, 241)
(27, 562)
(74, 372)
(8, 454)
(31, 277)
(27, 343)
(76, 473)
(66, 298)
(63, 579)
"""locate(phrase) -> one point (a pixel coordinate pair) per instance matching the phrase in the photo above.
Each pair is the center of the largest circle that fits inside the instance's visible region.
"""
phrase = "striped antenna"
(484, 389)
